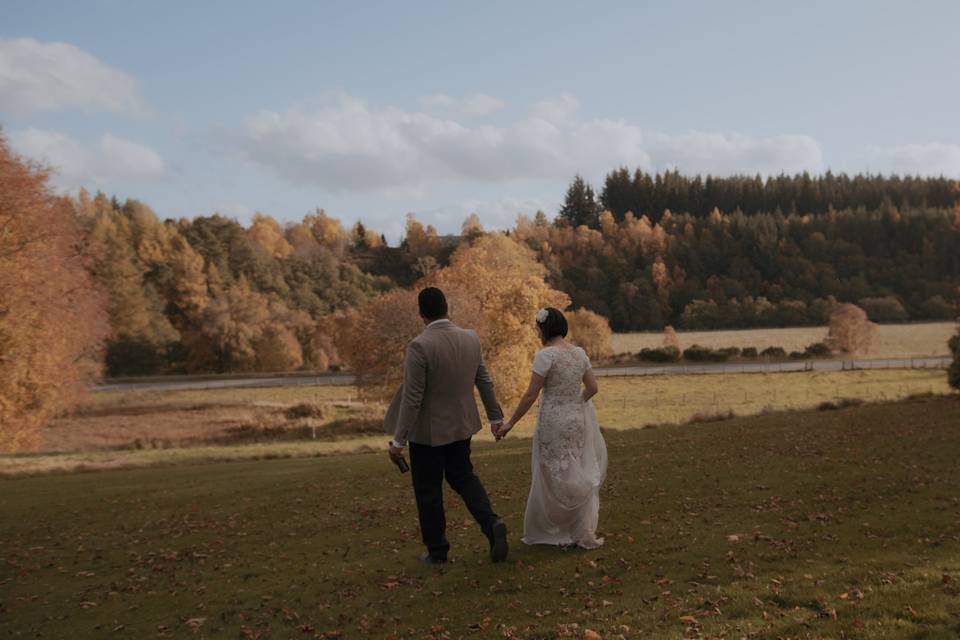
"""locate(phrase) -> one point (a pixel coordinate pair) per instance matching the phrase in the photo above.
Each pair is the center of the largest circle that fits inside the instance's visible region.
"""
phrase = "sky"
(371, 110)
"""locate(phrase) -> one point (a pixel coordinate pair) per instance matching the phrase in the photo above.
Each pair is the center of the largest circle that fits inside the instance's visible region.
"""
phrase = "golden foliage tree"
(670, 337)
(591, 332)
(52, 320)
(267, 234)
(245, 330)
(493, 286)
(850, 331)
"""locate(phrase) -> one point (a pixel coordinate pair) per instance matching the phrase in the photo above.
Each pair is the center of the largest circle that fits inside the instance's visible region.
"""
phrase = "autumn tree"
(590, 331)
(52, 320)
(493, 286)
(267, 234)
(670, 337)
(505, 281)
(849, 331)
(246, 330)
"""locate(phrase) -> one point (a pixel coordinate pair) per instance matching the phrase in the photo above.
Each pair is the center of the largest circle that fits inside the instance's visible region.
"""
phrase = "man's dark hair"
(554, 325)
(433, 304)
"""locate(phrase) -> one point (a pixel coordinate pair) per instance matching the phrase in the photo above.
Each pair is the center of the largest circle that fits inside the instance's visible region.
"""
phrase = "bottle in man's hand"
(401, 462)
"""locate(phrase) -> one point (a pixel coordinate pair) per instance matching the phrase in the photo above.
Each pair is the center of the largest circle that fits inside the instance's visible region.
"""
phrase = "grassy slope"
(846, 522)
(889, 341)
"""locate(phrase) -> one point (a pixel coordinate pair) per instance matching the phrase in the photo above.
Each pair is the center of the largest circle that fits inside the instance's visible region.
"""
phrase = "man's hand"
(495, 428)
(395, 453)
(501, 430)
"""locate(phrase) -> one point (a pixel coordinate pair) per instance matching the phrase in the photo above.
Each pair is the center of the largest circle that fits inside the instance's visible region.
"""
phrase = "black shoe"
(429, 559)
(498, 541)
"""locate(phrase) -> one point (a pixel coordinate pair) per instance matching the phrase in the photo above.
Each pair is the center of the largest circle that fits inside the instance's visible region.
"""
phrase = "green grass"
(797, 525)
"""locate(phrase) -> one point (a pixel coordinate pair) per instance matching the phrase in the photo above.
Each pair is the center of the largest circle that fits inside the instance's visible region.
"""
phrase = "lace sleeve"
(586, 359)
(542, 362)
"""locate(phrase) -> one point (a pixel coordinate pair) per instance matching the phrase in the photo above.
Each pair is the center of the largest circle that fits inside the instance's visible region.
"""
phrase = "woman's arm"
(590, 386)
(526, 401)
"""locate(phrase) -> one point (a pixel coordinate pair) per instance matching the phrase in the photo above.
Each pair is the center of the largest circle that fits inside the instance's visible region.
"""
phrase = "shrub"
(661, 354)
(730, 352)
(818, 350)
(799, 355)
(885, 309)
(774, 352)
(748, 352)
(591, 332)
(698, 353)
(305, 410)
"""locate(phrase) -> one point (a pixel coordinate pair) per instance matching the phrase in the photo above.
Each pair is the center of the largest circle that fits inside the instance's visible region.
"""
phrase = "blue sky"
(375, 109)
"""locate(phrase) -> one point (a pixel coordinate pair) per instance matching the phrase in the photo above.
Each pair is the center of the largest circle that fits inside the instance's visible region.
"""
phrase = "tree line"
(763, 270)
(652, 195)
(211, 295)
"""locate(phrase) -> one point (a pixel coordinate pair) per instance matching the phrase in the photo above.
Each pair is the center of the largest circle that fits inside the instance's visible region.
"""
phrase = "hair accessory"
(542, 316)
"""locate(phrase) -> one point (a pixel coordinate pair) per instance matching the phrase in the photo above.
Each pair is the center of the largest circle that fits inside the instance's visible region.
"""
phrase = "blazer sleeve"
(414, 383)
(487, 393)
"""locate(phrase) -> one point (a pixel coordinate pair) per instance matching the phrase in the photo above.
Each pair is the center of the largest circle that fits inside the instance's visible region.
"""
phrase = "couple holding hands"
(435, 414)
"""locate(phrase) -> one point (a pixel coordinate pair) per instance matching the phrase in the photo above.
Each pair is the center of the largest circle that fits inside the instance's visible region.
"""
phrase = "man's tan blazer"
(435, 406)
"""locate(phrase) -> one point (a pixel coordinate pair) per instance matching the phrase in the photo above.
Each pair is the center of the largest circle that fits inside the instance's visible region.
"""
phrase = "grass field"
(132, 429)
(889, 341)
(820, 524)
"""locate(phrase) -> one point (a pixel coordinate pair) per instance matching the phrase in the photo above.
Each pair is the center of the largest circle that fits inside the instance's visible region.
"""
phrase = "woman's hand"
(504, 428)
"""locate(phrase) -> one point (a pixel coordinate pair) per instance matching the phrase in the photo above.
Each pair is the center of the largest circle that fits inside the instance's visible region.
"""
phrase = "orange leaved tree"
(493, 285)
(52, 317)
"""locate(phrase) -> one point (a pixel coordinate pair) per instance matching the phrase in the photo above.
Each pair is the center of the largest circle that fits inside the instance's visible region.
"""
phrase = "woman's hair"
(553, 325)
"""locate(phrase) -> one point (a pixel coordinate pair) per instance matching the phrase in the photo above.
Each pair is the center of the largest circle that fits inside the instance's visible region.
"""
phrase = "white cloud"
(722, 154)
(130, 158)
(346, 144)
(76, 165)
(472, 106)
(557, 110)
(37, 76)
(931, 159)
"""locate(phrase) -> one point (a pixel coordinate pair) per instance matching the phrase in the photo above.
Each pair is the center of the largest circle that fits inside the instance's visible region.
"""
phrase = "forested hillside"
(209, 294)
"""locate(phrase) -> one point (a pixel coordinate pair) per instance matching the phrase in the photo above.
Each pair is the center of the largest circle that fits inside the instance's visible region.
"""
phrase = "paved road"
(173, 383)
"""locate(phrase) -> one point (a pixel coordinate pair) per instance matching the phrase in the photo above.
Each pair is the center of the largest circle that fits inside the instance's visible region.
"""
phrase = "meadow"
(889, 340)
(807, 524)
(147, 428)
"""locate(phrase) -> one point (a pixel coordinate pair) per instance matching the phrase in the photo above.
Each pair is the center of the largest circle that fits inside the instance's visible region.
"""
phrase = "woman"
(569, 454)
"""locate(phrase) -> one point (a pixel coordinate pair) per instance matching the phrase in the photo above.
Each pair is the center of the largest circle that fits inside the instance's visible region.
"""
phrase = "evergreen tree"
(580, 206)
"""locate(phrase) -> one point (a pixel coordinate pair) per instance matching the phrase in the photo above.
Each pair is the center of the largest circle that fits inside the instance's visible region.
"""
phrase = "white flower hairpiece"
(542, 316)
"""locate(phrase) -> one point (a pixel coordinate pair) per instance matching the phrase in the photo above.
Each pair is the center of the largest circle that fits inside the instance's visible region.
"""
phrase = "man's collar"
(439, 322)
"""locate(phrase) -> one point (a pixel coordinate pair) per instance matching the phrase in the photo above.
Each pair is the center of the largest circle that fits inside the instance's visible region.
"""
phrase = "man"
(436, 413)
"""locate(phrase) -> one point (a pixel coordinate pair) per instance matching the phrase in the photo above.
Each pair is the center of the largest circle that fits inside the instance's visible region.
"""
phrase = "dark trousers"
(428, 467)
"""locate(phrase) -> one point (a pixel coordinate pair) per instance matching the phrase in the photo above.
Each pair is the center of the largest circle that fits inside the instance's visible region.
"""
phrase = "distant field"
(837, 524)
(890, 341)
(139, 428)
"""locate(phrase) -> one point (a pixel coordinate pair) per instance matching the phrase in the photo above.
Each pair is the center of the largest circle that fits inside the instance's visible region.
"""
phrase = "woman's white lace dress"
(569, 456)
